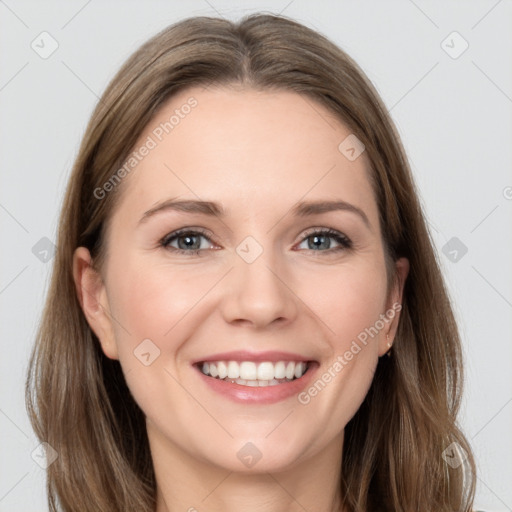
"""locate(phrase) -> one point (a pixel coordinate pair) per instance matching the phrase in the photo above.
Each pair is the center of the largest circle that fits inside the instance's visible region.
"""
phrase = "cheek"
(348, 300)
(350, 304)
(154, 302)
(152, 307)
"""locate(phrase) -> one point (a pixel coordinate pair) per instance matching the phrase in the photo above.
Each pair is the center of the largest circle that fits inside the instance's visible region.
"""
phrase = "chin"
(254, 454)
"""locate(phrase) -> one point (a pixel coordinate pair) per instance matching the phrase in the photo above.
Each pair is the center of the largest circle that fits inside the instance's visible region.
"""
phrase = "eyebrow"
(302, 209)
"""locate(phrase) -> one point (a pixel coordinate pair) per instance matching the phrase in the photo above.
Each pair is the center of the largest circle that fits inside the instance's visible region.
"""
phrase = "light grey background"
(454, 115)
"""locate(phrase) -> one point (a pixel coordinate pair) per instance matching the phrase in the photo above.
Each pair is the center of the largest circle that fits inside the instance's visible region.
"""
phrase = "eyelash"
(344, 241)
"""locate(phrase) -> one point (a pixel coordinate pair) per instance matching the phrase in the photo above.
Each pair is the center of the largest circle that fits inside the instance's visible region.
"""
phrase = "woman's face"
(253, 283)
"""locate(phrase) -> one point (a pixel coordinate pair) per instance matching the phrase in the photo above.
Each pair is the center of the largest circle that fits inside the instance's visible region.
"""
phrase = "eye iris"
(316, 238)
(189, 242)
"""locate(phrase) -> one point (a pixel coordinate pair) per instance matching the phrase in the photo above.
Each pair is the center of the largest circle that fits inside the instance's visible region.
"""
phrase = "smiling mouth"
(252, 374)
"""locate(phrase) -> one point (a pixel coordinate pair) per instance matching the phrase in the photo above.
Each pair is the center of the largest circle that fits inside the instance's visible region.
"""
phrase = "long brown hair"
(77, 398)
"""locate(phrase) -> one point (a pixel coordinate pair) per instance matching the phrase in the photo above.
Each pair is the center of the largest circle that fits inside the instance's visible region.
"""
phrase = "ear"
(394, 305)
(92, 295)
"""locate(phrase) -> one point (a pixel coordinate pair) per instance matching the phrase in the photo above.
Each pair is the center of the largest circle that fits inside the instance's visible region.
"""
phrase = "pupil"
(316, 238)
(189, 242)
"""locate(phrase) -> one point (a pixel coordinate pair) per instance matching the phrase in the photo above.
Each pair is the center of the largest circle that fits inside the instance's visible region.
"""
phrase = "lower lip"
(259, 395)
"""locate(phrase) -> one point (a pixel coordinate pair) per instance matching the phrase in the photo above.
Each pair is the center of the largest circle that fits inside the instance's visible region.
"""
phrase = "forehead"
(252, 151)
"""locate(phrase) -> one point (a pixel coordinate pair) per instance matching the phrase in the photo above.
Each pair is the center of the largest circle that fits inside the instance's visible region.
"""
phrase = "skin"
(257, 154)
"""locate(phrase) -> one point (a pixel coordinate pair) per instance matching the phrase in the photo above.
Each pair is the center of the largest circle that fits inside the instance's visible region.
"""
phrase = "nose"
(258, 294)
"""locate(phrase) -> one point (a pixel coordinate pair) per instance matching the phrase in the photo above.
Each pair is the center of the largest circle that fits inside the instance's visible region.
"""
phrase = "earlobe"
(93, 299)
(394, 306)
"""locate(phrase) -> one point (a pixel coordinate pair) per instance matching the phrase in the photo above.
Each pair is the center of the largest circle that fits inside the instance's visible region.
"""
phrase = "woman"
(246, 308)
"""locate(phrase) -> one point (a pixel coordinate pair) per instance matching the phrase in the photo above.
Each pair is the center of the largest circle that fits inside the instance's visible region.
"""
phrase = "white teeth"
(255, 383)
(279, 370)
(233, 370)
(266, 371)
(248, 370)
(222, 369)
(249, 373)
(290, 370)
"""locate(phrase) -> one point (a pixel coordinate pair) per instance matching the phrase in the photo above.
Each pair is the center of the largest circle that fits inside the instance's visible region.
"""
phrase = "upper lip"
(245, 355)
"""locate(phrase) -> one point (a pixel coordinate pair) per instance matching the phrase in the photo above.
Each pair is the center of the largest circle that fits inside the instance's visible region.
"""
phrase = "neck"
(188, 483)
